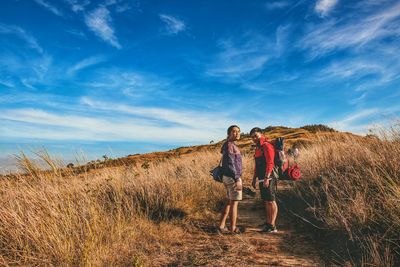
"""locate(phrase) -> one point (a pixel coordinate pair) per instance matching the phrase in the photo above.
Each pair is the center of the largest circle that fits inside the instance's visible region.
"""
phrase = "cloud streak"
(352, 69)
(276, 5)
(323, 7)
(359, 121)
(40, 124)
(100, 22)
(85, 63)
(187, 118)
(353, 32)
(172, 24)
(22, 34)
(78, 6)
(49, 7)
(244, 58)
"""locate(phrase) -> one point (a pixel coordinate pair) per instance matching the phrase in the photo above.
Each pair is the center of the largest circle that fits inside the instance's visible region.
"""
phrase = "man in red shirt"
(267, 175)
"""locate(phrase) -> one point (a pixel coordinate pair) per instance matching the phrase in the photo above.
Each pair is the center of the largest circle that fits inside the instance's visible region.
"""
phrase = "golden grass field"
(139, 211)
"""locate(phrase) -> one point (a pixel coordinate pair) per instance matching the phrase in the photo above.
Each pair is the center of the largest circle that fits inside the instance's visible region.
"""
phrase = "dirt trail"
(252, 248)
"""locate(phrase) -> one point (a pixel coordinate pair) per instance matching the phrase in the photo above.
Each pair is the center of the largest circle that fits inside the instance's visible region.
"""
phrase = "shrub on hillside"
(318, 128)
(271, 128)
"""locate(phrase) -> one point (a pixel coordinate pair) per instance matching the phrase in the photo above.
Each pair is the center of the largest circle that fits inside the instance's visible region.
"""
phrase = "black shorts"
(268, 193)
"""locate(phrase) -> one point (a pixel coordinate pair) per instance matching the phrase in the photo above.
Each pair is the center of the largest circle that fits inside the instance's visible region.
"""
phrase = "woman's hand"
(238, 185)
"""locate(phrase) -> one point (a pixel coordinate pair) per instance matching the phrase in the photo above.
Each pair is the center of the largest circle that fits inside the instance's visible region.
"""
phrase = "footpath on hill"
(288, 247)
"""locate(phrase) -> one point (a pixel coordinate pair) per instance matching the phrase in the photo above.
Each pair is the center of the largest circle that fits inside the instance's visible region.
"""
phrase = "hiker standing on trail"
(232, 171)
(267, 174)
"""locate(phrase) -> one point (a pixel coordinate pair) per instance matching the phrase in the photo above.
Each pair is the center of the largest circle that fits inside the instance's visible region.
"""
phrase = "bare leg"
(273, 212)
(267, 212)
(233, 213)
(224, 215)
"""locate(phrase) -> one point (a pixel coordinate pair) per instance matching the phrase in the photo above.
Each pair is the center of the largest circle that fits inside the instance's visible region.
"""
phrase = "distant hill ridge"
(293, 137)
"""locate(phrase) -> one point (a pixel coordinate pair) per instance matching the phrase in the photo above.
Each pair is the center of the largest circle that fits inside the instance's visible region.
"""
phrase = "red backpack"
(285, 171)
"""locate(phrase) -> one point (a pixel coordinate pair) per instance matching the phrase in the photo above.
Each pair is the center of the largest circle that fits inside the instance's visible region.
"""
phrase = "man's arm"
(269, 154)
(254, 181)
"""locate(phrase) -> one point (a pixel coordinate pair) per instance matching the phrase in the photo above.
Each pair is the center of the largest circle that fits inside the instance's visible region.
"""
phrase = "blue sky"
(132, 76)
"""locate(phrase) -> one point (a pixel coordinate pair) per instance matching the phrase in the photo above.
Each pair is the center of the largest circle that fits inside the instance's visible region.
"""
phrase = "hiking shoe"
(270, 229)
(238, 230)
(224, 230)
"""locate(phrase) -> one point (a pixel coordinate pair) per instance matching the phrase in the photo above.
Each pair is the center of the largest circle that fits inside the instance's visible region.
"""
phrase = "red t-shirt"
(264, 150)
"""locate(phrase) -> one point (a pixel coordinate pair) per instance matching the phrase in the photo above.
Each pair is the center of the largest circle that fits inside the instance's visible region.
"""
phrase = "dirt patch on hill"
(203, 246)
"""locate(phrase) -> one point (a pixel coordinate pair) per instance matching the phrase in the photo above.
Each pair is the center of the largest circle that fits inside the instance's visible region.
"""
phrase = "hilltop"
(298, 137)
(302, 136)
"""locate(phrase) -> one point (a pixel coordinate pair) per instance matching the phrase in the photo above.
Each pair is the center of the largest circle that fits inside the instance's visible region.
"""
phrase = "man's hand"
(266, 182)
(238, 185)
(254, 182)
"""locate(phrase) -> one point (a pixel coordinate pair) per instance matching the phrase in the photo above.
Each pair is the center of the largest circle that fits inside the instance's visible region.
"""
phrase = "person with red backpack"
(267, 174)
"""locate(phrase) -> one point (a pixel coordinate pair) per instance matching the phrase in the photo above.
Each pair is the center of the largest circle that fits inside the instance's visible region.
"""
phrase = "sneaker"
(224, 230)
(269, 229)
(265, 227)
(238, 230)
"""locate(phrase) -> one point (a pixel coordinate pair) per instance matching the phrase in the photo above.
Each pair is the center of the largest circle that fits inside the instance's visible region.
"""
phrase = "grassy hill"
(294, 136)
(143, 209)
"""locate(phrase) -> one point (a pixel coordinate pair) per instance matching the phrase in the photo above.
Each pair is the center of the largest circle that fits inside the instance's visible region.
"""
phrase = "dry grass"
(354, 188)
(116, 216)
(133, 215)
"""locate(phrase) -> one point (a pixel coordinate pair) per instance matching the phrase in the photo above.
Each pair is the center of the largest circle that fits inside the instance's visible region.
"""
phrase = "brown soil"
(204, 247)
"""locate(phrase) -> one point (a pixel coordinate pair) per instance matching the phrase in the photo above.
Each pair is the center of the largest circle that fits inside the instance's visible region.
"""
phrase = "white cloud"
(123, 7)
(39, 124)
(173, 25)
(130, 83)
(352, 68)
(362, 120)
(355, 122)
(110, 2)
(352, 32)
(120, 6)
(276, 5)
(282, 38)
(49, 7)
(100, 22)
(358, 100)
(187, 118)
(22, 34)
(371, 69)
(323, 7)
(77, 5)
(27, 83)
(26, 69)
(85, 63)
(245, 58)
(7, 83)
(78, 33)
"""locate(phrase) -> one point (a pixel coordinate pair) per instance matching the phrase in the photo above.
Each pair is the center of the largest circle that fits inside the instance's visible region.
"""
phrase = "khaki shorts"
(231, 191)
